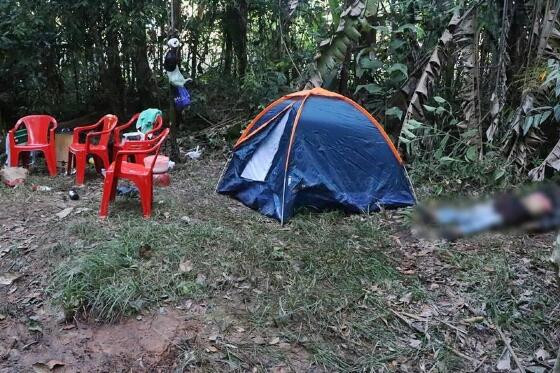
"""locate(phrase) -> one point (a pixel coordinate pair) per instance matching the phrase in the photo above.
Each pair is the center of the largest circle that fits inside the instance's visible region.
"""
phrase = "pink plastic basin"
(161, 166)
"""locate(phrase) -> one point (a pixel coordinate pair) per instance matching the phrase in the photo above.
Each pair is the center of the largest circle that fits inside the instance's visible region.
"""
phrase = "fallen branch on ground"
(510, 349)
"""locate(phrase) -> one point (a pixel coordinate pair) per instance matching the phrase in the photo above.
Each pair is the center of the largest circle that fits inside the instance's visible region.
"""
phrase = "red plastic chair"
(78, 152)
(40, 137)
(137, 173)
(117, 133)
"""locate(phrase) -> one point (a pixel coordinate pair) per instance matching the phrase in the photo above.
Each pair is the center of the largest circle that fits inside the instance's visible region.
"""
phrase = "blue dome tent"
(315, 149)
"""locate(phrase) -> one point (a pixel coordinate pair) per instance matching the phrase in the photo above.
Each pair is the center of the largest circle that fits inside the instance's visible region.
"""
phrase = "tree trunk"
(194, 55)
(143, 73)
(345, 73)
(228, 52)
(235, 35)
(241, 41)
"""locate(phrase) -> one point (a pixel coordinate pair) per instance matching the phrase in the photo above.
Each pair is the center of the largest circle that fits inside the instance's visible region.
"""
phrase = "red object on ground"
(137, 173)
(117, 134)
(40, 137)
(78, 152)
(162, 180)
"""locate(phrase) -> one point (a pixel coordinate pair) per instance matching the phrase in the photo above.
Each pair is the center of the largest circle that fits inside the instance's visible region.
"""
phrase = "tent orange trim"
(247, 131)
(250, 135)
(317, 92)
(294, 128)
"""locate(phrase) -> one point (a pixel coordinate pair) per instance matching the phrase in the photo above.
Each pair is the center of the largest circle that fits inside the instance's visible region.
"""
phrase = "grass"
(328, 283)
(128, 269)
(315, 276)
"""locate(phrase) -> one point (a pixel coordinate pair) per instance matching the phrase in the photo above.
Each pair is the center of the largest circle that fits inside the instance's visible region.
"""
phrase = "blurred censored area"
(536, 210)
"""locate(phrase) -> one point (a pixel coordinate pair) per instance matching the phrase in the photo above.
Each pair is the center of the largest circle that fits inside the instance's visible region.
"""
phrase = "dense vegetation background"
(467, 87)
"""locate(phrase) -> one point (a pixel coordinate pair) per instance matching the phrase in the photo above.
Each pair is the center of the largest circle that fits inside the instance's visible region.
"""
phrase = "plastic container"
(162, 180)
(161, 166)
(133, 136)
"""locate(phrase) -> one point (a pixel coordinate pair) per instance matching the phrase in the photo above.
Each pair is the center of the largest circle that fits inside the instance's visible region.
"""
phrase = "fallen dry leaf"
(201, 279)
(7, 278)
(145, 251)
(185, 266)
(35, 328)
(542, 355)
(40, 368)
(64, 213)
(406, 298)
(414, 343)
(279, 369)
(47, 367)
(274, 341)
(472, 320)
(212, 349)
(504, 364)
(536, 369)
(55, 363)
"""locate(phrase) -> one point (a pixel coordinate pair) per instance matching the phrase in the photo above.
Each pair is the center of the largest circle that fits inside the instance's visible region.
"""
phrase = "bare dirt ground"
(210, 285)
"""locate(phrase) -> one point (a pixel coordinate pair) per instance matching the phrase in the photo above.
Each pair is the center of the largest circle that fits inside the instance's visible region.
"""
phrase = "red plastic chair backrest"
(108, 122)
(119, 129)
(38, 127)
(148, 147)
(158, 124)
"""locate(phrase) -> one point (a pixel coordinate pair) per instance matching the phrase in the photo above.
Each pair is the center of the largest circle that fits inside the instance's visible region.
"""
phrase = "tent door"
(259, 165)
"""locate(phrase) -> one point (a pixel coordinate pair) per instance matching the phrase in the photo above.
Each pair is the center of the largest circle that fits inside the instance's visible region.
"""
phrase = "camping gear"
(316, 149)
(129, 191)
(137, 173)
(78, 152)
(40, 137)
(133, 136)
(171, 59)
(171, 64)
(161, 166)
(176, 78)
(161, 169)
(63, 140)
(174, 43)
(157, 124)
(74, 196)
(182, 98)
(146, 120)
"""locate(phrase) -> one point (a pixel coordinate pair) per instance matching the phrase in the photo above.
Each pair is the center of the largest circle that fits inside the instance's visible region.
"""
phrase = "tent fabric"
(319, 150)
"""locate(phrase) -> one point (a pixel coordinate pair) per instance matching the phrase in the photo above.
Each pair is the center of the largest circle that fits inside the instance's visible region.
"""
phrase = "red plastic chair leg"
(114, 186)
(80, 160)
(105, 198)
(146, 196)
(105, 159)
(50, 159)
(14, 157)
